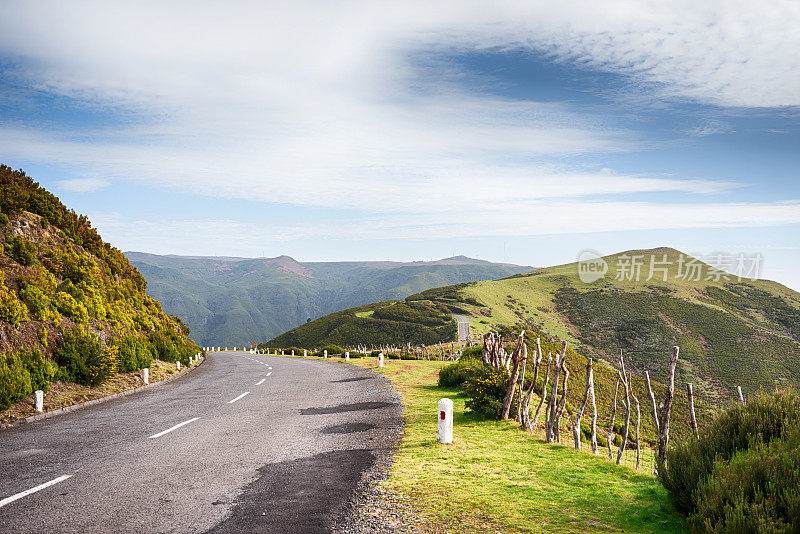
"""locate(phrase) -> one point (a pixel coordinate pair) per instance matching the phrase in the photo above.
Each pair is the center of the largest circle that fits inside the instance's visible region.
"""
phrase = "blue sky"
(520, 132)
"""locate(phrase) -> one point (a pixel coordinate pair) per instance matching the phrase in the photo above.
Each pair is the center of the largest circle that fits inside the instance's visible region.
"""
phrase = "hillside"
(71, 306)
(230, 301)
(383, 323)
(731, 332)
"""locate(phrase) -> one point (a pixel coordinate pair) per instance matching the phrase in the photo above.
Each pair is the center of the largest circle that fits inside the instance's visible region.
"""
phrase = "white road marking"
(239, 397)
(173, 428)
(9, 500)
(269, 373)
(260, 382)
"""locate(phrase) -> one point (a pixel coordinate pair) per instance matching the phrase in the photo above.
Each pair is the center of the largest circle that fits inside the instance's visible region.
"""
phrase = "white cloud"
(319, 103)
(83, 185)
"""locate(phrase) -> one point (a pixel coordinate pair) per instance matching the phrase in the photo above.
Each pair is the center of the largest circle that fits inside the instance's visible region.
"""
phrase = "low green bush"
(455, 374)
(392, 355)
(22, 373)
(472, 353)
(407, 356)
(736, 456)
(757, 491)
(133, 353)
(486, 389)
(21, 250)
(83, 359)
(4, 220)
(332, 349)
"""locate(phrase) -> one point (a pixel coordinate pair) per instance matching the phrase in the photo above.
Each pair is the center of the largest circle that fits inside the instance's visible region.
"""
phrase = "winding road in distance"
(244, 443)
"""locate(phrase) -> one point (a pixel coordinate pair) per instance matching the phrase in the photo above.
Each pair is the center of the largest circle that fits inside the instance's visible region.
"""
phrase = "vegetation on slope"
(730, 332)
(233, 301)
(71, 306)
(419, 322)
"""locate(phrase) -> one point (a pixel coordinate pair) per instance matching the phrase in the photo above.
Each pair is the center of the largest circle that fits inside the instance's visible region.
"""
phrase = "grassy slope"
(729, 333)
(498, 478)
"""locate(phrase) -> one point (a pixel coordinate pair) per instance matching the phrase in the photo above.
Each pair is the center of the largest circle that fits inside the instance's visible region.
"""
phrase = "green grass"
(495, 477)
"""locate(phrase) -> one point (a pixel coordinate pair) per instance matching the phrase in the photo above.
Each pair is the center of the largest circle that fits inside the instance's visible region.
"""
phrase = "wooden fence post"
(553, 404)
(521, 383)
(692, 418)
(664, 411)
(535, 420)
(512, 383)
(563, 403)
(610, 436)
(652, 399)
(627, 404)
(576, 427)
(638, 425)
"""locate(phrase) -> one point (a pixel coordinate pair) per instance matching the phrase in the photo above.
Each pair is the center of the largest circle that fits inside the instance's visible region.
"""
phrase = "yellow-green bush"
(133, 352)
(22, 250)
(11, 309)
(22, 373)
(67, 305)
(83, 359)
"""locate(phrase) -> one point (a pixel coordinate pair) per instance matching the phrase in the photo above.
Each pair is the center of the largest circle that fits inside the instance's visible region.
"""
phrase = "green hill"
(394, 323)
(731, 332)
(233, 301)
(71, 305)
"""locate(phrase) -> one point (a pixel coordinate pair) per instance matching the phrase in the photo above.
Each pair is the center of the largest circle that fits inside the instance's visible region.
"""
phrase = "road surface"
(244, 443)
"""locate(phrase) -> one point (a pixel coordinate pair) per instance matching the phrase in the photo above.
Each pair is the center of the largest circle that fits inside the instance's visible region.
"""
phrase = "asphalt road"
(265, 444)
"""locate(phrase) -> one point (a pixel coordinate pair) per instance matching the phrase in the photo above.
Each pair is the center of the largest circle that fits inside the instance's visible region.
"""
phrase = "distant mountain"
(232, 301)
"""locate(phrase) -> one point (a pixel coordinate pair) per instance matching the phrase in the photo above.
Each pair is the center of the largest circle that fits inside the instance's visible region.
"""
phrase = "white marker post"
(380, 360)
(292, 352)
(146, 375)
(325, 354)
(445, 433)
(305, 353)
(347, 356)
(39, 401)
(178, 365)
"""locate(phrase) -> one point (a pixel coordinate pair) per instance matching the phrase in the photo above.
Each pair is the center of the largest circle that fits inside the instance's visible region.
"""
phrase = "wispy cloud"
(82, 185)
(710, 127)
(319, 104)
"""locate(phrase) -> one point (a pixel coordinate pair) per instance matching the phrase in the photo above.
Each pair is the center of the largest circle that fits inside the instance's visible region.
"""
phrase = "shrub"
(471, 353)
(332, 349)
(70, 307)
(168, 346)
(45, 223)
(21, 250)
(757, 491)
(134, 352)
(392, 355)
(486, 389)
(42, 369)
(732, 446)
(15, 380)
(407, 356)
(11, 309)
(4, 219)
(455, 374)
(83, 359)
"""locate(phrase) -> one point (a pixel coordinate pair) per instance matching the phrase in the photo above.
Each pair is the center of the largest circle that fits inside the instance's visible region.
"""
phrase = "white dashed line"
(239, 397)
(269, 373)
(173, 428)
(9, 500)
(260, 382)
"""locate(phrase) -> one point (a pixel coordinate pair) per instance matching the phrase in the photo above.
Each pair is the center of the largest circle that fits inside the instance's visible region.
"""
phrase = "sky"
(523, 132)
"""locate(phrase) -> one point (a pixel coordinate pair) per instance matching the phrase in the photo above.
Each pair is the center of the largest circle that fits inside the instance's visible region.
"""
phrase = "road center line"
(260, 382)
(9, 500)
(173, 428)
(239, 397)
(269, 373)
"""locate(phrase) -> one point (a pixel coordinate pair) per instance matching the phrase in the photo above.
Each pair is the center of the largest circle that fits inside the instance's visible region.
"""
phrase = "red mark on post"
(442, 415)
